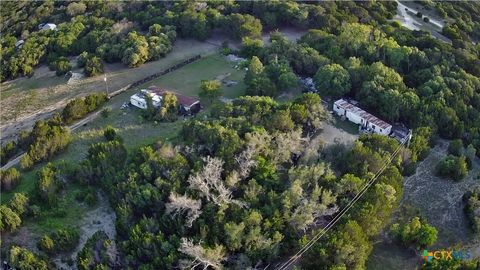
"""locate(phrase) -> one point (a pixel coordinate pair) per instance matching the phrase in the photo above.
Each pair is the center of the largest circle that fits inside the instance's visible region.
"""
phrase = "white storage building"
(358, 116)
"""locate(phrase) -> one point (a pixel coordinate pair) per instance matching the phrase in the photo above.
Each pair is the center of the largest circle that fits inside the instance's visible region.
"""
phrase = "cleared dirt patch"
(440, 202)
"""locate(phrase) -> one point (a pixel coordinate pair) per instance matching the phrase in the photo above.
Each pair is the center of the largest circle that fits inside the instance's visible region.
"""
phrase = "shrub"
(452, 167)
(8, 151)
(74, 9)
(106, 112)
(419, 14)
(9, 220)
(75, 109)
(19, 203)
(416, 232)
(62, 66)
(9, 178)
(426, 19)
(62, 240)
(109, 133)
(93, 66)
(455, 147)
(78, 108)
(46, 245)
(22, 258)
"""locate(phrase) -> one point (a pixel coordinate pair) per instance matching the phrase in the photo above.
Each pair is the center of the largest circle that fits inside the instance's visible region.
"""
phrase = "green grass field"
(134, 130)
(45, 89)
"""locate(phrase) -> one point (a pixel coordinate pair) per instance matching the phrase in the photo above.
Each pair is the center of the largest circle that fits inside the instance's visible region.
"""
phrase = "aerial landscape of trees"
(245, 184)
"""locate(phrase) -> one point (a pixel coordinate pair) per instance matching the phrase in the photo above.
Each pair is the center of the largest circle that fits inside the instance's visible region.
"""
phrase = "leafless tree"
(210, 183)
(180, 204)
(245, 162)
(286, 144)
(207, 257)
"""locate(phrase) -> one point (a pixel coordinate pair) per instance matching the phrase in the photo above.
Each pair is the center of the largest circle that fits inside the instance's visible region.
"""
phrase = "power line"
(339, 215)
(330, 225)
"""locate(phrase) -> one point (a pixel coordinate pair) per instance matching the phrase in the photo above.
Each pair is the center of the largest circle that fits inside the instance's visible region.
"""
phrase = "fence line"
(156, 75)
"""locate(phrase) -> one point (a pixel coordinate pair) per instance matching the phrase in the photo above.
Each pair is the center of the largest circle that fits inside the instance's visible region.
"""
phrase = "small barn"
(187, 105)
(367, 121)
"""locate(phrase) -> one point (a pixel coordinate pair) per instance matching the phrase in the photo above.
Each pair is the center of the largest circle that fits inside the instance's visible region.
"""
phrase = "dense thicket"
(79, 107)
(398, 75)
(243, 184)
(45, 140)
(111, 30)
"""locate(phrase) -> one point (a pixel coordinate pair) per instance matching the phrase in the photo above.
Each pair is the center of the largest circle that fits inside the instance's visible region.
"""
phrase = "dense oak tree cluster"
(110, 31)
(240, 187)
(400, 75)
(243, 186)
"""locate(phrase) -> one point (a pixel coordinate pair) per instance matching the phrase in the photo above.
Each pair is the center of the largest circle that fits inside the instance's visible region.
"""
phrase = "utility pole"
(106, 84)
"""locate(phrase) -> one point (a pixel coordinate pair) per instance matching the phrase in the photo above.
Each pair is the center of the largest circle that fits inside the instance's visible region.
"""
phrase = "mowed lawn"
(134, 130)
(187, 79)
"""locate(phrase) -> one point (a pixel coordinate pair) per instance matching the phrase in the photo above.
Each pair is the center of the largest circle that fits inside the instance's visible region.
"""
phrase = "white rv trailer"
(358, 116)
(139, 99)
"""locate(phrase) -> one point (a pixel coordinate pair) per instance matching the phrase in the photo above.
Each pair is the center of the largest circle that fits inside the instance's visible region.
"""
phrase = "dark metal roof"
(182, 99)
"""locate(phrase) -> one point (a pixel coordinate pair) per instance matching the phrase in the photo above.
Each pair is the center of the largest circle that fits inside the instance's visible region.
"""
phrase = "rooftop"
(143, 93)
(365, 115)
(182, 99)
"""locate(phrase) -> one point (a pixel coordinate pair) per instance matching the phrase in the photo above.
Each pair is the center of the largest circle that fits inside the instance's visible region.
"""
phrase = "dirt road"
(73, 127)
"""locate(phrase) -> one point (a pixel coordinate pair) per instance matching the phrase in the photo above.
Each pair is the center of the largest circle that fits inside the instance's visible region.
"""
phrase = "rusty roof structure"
(342, 103)
(182, 99)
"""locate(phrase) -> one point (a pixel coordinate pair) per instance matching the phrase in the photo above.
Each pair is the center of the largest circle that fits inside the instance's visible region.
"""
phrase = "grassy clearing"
(48, 89)
(187, 80)
(134, 130)
(345, 125)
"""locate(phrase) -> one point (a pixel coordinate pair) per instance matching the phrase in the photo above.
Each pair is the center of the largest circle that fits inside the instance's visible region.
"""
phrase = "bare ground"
(332, 135)
(440, 202)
